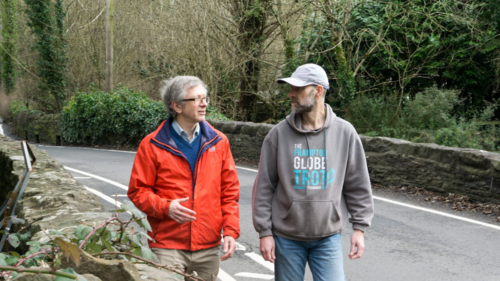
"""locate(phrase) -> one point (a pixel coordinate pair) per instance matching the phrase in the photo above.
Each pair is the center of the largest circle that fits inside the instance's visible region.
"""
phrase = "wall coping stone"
(53, 199)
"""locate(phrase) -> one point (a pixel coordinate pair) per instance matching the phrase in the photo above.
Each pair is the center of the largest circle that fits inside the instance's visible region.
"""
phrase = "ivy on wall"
(9, 48)
(46, 23)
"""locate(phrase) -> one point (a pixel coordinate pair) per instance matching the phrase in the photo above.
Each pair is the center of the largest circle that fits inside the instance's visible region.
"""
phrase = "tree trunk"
(109, 46)
(252, 18)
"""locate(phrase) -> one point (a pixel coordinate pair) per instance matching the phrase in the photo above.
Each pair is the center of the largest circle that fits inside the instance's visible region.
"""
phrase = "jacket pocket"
(310, 218)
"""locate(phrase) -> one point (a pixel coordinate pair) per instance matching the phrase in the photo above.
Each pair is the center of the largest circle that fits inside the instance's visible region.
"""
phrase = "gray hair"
(175, 89)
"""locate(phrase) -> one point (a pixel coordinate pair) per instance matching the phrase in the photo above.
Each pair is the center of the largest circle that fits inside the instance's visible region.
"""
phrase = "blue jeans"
(324, 257)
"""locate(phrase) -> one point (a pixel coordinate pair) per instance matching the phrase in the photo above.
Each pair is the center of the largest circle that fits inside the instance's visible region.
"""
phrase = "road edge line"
(437, 212)
(98, 177)
(259, 259)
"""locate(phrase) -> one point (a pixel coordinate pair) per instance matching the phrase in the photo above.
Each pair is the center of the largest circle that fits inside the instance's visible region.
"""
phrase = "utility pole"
(109, 46)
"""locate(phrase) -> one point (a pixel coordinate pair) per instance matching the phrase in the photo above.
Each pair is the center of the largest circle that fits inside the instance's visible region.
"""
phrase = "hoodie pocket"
(310, 218)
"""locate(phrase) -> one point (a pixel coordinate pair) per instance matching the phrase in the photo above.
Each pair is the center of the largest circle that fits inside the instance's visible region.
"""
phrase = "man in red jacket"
(184, 179)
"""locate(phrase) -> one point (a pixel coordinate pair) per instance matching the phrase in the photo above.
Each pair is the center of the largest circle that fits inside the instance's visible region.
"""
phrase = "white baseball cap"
(307, 74)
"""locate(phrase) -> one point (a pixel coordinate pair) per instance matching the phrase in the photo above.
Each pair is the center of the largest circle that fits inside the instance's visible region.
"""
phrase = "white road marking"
(122, 195)
(260, 259)
(426, 210)
(224, 276)
(98, 149)
(437, 212)
(108, 150)
(248, 169)
(239, 247)
(98, 177)
(255, 275)
(104, 197)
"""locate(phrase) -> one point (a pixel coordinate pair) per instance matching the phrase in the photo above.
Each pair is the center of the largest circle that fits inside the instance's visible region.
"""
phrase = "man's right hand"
(179, 213)
(267, 248)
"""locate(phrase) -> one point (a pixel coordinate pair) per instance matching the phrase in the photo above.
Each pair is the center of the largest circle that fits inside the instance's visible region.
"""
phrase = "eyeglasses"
(199, 99)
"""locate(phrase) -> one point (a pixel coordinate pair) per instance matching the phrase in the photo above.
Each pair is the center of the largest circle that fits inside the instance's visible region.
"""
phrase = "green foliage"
(372, 116)
(124, 116)
(430, 109)
(17, 106)
(213, 114)
(428, 117)
(326, 52)
(421, 44)
(403, 47)
(46, 22)
(9, 48)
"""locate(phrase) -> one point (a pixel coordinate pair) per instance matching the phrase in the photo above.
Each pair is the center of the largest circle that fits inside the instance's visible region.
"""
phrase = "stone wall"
(38, 127)
(441, 169)
(437, 168)
(53, 198)
(245, 137)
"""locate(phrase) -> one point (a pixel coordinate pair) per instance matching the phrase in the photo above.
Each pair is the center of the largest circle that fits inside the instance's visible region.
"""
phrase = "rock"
(150, 273)
(106, 270)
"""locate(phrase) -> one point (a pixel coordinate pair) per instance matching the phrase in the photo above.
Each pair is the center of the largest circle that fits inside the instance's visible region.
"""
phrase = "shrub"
(428, 117)
(372, 116)
(213, 114)
(124, 116)
(430, 109)
(17, 106)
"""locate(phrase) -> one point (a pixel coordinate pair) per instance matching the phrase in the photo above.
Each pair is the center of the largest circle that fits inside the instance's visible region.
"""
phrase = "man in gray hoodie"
(312, 174)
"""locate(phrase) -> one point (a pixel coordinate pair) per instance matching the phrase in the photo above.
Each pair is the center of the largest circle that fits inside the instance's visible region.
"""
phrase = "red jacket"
(162, 173)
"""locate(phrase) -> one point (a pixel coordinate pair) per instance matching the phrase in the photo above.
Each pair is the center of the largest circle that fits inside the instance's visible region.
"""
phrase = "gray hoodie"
(309, 180)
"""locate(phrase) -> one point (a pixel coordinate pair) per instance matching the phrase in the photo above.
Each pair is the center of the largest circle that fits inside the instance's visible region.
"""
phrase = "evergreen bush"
(428, 117)
(124, 116)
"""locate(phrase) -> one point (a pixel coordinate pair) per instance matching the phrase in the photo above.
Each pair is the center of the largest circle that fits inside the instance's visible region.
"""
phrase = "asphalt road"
(409, 240)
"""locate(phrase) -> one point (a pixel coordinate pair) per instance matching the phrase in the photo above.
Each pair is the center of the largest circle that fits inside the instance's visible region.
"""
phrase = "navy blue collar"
(165, 135)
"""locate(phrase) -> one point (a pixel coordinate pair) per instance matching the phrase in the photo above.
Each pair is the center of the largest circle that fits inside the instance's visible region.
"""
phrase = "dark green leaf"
(82, 231)
(94, 248)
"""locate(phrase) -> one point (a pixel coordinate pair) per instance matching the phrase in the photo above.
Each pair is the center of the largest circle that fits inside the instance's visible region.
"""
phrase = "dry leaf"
(70, 251)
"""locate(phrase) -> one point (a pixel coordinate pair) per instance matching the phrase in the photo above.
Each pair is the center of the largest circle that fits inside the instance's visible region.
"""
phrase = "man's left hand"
(357, 245)
(229, 247)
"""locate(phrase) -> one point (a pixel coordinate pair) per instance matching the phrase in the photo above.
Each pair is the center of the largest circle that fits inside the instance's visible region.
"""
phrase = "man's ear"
(177, 107)
(320, 90)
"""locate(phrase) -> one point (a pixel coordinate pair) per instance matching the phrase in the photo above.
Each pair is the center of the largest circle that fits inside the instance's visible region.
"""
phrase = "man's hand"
(229, 247)
(357, 245)
(267, 248)
(179, 213)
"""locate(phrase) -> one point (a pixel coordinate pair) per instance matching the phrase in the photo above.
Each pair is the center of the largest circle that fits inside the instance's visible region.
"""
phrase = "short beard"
(305, 107)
